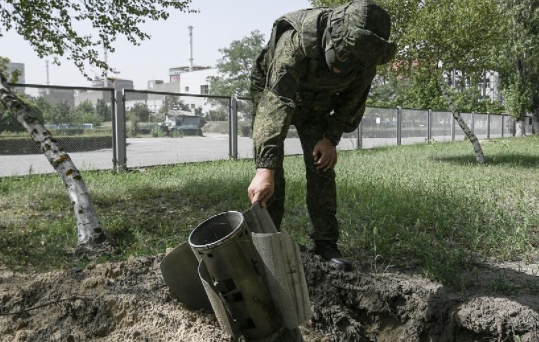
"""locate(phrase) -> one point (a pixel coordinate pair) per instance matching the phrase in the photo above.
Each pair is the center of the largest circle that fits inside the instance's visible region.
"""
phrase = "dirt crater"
(128, 301)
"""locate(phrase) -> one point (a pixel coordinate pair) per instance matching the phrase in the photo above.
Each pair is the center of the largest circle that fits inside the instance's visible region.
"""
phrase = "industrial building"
(99, 82)
(56, 96)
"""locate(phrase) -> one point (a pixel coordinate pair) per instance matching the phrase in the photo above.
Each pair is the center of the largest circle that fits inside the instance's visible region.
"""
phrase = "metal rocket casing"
(251, 274)
(224, 246)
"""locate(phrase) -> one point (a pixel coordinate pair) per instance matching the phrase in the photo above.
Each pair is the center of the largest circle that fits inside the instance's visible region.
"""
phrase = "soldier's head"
(357, 37)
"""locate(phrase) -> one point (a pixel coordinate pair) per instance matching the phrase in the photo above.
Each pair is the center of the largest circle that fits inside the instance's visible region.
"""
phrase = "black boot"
(329, 251)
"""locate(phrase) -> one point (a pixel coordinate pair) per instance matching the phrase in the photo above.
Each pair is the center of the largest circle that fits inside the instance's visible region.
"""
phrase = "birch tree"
(49, 27)
(89, 228)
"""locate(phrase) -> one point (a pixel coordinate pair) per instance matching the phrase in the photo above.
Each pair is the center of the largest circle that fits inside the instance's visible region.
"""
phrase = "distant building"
(488, 87)
(159, 85)
(155, 102)
(185, 82)
(55, 96)
(117, 83)
(176, 73)
(91, 96)
(193, 82)
(196, 82)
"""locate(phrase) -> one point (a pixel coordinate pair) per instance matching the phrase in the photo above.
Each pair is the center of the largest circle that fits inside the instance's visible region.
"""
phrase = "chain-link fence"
(146, 128)
(528, 124)
(245, 128)
(414, 126)
(509, 128)
(79, 118)
(378, 127)
(496, 126)
(481, 125)
(441, 126)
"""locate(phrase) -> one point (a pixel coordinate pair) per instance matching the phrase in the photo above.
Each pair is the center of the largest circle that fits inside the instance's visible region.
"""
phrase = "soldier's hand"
(325, 155)
(262, 186)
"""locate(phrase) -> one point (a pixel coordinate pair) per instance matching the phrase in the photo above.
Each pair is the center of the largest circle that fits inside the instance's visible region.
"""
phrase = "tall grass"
(427, 208)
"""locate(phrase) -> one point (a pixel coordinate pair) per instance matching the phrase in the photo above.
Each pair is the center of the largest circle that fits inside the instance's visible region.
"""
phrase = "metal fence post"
(429, 125)
(113, 112)
(514, 128)
(230, 127)
(399, 125)
(473, 123)
(488, 125)
(233, 125)
(121, 160)
(452, 128)
(503, 124)
(359, 142)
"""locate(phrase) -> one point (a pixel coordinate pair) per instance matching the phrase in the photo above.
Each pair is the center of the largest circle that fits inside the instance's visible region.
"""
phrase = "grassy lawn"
(427, 208)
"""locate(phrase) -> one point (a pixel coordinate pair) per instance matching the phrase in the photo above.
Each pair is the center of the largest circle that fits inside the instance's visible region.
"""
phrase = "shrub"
(157, 132)
(176, 133)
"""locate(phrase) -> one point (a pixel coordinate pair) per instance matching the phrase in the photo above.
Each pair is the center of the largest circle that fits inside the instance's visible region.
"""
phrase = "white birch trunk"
(467, 131)
(88, 225)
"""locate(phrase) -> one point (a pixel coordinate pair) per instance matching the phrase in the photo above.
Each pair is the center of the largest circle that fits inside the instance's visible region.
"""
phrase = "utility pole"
(190, 47)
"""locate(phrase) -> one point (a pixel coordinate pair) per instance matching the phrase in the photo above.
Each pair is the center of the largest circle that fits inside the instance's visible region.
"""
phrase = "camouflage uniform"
(291, 84)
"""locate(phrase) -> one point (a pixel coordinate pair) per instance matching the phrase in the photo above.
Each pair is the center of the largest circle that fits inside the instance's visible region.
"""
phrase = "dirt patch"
(128, 301)
(500, 304)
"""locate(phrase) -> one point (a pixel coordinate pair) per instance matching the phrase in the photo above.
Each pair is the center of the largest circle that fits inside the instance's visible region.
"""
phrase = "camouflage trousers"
(321, 187)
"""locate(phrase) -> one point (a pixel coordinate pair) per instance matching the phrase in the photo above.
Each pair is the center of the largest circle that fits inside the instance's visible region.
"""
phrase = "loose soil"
(128, 301)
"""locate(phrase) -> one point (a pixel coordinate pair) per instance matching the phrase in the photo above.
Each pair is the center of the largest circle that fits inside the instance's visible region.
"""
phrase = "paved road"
(158, 151)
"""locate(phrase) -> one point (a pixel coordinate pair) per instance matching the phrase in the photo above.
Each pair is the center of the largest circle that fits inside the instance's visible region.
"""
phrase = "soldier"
(315, 73)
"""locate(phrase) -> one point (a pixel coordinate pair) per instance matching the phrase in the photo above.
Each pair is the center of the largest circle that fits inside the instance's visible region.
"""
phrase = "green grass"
(427, 208)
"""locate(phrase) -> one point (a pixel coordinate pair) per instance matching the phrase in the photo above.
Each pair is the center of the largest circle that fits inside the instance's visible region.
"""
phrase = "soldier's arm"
(276, 107)
(351, 105)
(258, 78)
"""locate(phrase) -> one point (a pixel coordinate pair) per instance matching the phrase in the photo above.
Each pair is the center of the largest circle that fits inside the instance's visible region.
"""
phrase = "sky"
(217, 24)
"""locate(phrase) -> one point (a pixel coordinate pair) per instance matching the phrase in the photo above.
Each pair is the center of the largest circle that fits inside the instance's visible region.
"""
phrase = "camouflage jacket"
(290, 80)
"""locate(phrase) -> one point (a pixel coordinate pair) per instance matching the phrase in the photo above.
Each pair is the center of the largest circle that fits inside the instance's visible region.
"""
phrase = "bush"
(157, 132)
(133, 130)
(176, 133)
